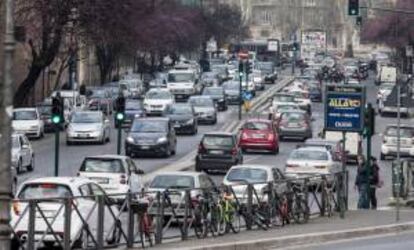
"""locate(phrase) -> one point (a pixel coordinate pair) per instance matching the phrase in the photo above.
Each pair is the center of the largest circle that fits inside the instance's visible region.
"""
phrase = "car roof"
(258, 120)
(164, 119)
(266, 167)
(180, 173)
(295, 111)
(321, 141)
(200, 97)
(89, 111)
(69, 181)
(108, 156)
(313, 148)
(219, 133)
(25, 109)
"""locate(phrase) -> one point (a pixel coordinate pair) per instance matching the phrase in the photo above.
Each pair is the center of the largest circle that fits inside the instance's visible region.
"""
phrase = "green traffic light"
(120, 116)
(56, 119)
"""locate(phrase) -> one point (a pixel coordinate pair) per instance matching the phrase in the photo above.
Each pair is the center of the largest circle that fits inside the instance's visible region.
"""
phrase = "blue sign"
(344, 108)
(247, 95)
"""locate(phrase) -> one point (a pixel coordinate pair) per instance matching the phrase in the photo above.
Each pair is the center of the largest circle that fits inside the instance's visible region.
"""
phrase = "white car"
(116, 174)
(22, 153)
(280, 99)
(50, 192)
(27, 121)
(310, 161)
(384, 90)
(157, 100)
(88, 126)
(302, 98)
(258, 175)
(389, 141)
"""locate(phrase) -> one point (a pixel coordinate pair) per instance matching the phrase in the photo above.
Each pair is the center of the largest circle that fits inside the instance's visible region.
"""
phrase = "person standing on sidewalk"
(374, 182)
(361, 182)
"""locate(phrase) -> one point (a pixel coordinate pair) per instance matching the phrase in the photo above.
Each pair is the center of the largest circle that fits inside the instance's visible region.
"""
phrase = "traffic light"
(120, 108)
(57, 110)
(369, 119)
(241, 68)
(295, 46)
(249, 67)
(359, 20)
(353, 7)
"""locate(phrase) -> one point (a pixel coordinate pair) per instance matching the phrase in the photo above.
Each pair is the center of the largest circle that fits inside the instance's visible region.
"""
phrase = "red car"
(259, 134)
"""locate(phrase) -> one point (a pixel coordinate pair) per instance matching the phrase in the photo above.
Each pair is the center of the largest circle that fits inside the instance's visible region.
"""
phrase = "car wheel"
(275, 150)
(68, 143)
(32, 164)
(19, 166)
(215, 120)
(382, 157)
(167, 152)
(197, 167)
(103, 140)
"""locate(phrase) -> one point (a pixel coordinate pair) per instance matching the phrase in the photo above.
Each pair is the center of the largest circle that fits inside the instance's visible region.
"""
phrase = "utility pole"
(6, 101)
(397, 215)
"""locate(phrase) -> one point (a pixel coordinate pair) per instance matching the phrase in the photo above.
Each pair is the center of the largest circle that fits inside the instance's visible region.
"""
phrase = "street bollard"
(249, 209)
(187, 198)
(347, 189)
(31, 226)
(131, 220)
(159, 218)
(338, 187)
(67, 226)
(100, 222)
(323, 196)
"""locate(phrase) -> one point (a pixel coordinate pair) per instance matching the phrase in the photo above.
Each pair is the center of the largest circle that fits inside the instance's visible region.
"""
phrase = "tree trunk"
(25, 88)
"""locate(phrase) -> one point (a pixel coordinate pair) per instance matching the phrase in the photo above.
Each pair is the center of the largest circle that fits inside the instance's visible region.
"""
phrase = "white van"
(386, 74)
(182, 83)
(353, 143)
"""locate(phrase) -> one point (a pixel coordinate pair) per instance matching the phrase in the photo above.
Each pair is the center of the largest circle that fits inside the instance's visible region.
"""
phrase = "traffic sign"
(247, 95)
(344, 108)
(273, 45)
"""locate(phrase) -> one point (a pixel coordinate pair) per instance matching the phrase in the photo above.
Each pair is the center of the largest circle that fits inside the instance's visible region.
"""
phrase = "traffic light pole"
(369, 153)
(119, 146)
(240, 96)
(57, 144)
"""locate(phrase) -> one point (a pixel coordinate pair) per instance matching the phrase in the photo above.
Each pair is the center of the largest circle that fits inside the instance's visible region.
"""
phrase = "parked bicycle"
(229, 213)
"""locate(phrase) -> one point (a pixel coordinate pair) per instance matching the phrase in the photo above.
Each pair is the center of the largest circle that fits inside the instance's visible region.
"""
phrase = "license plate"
(293, 125)
(177, 126)
(258, 136)
(83, 135)
(145, 147)
(179, 96)
(216, 152)
(100, 180)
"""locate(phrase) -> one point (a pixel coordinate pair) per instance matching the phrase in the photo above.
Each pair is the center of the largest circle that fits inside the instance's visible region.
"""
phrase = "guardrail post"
(186, 214)
(323, 196)
(159, 217)
(338, 187)
(67, 223)
(346, 189)
(100, 228)
(31, 228)
(306, 190)
(131, 219)
(249, 209)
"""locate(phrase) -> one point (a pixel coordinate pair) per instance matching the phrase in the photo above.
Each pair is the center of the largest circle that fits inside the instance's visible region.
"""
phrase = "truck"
(386, 74)
(182, 83)
(389, 104)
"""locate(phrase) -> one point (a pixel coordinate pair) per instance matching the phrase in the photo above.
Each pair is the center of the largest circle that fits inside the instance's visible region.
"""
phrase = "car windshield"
(213, 91)
(15, 142)
(44, 109)
(180, 109)
(98, 93)
(201, 102)
(293, 117)
(180, 77)
(221, 141)
(44, 190)
(102, 166)
(24, 115)
(148, 126)
(404, 132)
(251, 175)
(133, 105)
(283, 98)
(158, 95)
(86, 118)
(282, 107)
(173, 181)
(256, 126)
(309, 155)
(231, 85)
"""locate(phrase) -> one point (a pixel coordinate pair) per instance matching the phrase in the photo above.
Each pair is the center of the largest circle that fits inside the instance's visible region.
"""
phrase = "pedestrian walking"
(361, 184)
(374, 182)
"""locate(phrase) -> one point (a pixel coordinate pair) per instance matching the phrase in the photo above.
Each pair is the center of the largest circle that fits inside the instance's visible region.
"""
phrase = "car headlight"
(162, 140)
(137, 115)
(189, 122)
(130, 139)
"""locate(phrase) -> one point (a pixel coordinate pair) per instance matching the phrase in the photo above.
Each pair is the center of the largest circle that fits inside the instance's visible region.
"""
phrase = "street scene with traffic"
(196, 125)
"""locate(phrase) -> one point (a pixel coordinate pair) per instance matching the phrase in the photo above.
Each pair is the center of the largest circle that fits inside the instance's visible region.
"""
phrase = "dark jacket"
(374, 175)
(361, 177)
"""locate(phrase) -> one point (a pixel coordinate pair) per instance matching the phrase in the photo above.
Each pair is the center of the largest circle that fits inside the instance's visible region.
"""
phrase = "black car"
(232, 92)
(218, 151)
(209, 79)
(218, 96)
(133, 109)
(315, 94)
(151, 136)
(183, 118)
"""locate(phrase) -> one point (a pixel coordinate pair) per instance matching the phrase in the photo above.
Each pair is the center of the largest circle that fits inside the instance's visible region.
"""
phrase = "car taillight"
(201, 148)
(244, 135)
(234, 151)
(16, 208)
(291, 166)
(270, 137)
(123, 179)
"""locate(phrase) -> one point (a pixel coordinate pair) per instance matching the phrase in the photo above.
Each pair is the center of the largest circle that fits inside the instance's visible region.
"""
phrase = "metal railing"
(97, 222)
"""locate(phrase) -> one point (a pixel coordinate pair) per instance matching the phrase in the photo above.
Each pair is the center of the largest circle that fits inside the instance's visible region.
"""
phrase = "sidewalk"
(355, 224)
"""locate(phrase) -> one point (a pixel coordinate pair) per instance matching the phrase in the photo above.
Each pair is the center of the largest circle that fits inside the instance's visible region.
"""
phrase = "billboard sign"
(344, 108)
(312, 42)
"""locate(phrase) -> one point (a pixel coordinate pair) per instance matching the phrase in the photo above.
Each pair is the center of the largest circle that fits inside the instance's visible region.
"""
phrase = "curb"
(306, 239)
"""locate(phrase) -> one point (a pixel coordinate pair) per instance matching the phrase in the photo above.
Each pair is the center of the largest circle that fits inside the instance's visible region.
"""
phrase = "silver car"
(88, 126)
(22, 153)
(204, 108)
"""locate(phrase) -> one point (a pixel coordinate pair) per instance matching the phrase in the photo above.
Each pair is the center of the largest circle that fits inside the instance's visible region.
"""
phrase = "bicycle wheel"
(145, 231)
(300, 211)
(234, 222)
(198, 224)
